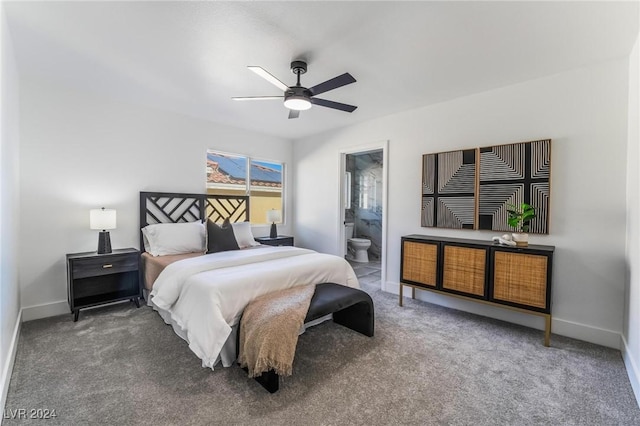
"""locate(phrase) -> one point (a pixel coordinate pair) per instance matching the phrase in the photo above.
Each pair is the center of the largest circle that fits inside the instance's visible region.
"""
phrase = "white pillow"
(174, 238)
(243, 234)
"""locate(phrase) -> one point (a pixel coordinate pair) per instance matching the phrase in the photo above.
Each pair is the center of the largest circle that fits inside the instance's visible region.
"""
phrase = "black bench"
(351, 307)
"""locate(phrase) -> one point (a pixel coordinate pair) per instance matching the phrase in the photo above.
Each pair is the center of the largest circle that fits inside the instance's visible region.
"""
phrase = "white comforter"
(205, 295)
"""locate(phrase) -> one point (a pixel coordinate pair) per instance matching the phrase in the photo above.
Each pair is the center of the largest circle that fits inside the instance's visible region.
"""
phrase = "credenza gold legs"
(413, 293)
(547, 329)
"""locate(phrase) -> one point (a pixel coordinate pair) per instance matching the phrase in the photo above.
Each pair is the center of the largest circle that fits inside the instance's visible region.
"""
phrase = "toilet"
(358, 246)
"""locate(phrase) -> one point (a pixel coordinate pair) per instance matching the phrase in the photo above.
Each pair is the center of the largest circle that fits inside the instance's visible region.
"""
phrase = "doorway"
(363, 212)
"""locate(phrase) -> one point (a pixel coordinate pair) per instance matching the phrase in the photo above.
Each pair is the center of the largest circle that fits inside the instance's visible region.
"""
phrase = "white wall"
(81, 151)
(9, 202)
(584, 111)
(631, 334)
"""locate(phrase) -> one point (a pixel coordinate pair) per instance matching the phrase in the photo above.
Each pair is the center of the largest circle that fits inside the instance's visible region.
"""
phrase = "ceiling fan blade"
(269, 77)
(256, 98)
(334, 83)
(294, 113)
(334, 105)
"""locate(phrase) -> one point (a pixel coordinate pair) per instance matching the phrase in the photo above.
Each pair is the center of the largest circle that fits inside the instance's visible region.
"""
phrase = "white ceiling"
(191, 57)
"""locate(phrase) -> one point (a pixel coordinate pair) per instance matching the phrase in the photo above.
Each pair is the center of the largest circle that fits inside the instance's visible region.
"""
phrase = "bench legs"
(358, 317)
(268, 380)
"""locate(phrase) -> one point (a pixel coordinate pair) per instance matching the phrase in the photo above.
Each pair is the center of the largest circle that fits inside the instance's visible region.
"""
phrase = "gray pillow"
(220, 238)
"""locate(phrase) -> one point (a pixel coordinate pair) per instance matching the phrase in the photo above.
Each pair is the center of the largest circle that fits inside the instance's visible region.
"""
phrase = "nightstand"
(95, 279)
(280, 240)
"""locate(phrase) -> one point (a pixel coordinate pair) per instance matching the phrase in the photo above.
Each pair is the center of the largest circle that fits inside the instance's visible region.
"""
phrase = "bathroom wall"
(350, 167)
(366, 198)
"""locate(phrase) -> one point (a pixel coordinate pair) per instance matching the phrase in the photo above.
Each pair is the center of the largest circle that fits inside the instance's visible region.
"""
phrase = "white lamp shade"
(102, 218)
(274, 216)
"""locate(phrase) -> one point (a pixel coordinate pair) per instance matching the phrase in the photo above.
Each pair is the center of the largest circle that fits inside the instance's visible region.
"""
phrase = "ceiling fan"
(298, 98)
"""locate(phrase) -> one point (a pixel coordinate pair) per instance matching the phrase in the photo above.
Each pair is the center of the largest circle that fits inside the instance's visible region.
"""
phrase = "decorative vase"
(521, 239)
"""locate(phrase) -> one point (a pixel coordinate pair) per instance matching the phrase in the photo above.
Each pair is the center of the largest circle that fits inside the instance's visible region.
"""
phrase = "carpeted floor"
(427, 365)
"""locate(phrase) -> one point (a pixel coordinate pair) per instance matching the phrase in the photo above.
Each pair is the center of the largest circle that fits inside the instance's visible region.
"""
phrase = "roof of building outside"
(232, 170)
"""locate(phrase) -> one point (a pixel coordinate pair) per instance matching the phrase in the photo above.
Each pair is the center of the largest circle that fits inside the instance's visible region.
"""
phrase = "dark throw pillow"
(220, 238)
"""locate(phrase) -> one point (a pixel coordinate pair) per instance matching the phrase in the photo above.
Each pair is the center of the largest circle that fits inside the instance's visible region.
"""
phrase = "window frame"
(247, 186)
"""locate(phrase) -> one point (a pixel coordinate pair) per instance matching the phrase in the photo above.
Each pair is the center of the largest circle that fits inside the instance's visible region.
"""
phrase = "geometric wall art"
(449, 189)
(514, 174)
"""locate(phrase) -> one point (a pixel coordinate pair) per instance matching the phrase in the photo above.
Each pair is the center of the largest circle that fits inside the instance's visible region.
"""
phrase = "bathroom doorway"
(363, 211)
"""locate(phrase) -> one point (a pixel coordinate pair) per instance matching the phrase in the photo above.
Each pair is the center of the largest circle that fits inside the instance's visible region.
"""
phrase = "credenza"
(516, 278)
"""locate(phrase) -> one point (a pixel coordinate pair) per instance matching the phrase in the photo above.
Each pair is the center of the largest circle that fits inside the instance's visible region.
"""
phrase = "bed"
(202, 296)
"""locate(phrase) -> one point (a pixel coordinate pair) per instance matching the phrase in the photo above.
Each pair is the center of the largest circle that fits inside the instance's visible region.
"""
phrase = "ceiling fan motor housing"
(297, 98)
(298, 91)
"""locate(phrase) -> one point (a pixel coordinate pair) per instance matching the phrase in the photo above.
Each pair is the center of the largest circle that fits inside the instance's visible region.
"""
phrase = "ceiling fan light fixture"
(299, 98)
(297, 102)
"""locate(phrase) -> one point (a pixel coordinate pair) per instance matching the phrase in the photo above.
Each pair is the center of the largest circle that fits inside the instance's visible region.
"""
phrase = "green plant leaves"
(520, 216)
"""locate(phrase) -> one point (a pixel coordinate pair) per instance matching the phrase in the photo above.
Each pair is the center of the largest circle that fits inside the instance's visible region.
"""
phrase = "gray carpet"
(427, 365)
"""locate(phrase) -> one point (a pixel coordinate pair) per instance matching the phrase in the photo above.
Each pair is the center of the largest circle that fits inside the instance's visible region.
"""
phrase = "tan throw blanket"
(269, 330)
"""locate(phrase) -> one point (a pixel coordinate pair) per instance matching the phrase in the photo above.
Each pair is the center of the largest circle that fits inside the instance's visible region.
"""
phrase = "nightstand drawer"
(96, 266)
(280, 240)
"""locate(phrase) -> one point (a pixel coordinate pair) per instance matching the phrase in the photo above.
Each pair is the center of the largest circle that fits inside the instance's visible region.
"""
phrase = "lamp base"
(104, 242)
(274, 231)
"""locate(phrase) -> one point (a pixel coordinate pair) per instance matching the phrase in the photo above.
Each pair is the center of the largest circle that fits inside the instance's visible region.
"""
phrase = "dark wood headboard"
(172, 207)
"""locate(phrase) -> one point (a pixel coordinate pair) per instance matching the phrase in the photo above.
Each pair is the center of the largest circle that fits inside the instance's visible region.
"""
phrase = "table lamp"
(103, 219)
(274, 216)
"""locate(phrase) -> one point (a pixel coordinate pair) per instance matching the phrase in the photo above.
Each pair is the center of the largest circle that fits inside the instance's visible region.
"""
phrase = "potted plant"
(519, 218)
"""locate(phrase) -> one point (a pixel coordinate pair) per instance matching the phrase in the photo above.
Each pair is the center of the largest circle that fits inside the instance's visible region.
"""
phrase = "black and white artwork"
(449, 189)
(514, 174)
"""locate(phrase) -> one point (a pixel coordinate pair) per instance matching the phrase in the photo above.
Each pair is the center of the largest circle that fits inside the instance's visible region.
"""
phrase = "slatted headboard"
(171, 207)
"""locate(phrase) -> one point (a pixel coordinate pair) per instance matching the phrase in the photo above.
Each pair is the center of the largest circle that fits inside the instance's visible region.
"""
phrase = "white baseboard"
(587, 333)
(584, 332)
(56, 308)
(11, 358)
(45, 310)
(633, 371)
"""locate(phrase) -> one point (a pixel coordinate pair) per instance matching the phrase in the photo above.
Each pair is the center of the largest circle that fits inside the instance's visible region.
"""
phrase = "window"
(231, 174)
